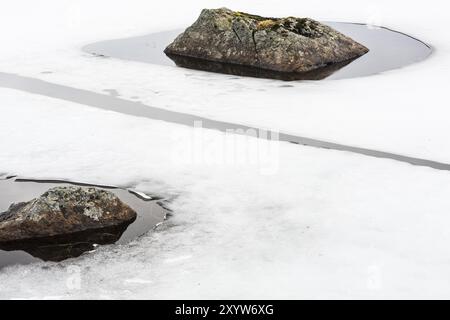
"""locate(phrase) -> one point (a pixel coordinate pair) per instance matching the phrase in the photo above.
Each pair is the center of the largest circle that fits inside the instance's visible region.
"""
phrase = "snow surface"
(398, 111)
(324, 224)
(279, 221)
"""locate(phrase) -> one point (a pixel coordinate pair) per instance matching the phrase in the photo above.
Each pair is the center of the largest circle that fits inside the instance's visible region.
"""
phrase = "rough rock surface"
(62, 211)
(279, 44)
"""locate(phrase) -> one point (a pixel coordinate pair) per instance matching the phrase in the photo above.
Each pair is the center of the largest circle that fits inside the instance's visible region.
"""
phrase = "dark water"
(149, 214)
(388, 50)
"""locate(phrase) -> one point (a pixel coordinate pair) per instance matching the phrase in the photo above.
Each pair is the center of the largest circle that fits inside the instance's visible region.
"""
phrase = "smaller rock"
(64, 211)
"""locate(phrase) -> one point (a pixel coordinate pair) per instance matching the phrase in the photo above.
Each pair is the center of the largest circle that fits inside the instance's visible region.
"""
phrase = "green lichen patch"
(250, 16)
(302, 26)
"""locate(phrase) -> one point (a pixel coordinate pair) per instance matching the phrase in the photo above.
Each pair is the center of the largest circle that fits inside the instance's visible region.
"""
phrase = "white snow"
(324, 224)
(402, 111)
(285, 222)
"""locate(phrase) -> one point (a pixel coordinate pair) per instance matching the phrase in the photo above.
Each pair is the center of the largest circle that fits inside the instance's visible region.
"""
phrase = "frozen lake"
(359, 223)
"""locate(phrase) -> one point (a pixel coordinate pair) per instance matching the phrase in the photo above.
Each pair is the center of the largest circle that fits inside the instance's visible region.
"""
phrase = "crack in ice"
(112, 103)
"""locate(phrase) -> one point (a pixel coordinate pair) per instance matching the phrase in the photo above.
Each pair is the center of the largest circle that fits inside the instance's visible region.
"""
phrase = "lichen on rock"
(279, 44)
(62, 211)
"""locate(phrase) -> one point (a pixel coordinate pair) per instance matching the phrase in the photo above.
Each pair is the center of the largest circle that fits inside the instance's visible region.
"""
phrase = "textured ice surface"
(398, 111)
(322, 224)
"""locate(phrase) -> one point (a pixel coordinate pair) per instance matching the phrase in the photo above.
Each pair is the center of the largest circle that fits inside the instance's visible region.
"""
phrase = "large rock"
(64, 211)
(279, 44)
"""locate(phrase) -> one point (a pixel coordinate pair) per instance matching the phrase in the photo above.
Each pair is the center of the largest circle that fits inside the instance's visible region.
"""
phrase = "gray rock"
(62, 211)
(278, 44)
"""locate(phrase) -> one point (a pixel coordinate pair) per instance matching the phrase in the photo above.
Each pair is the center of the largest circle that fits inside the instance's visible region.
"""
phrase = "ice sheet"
(319, 224)
(403, 111)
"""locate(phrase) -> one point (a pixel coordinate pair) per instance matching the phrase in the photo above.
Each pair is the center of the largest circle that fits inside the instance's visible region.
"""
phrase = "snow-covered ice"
(318, 224)
(399, 111)
(325, 224)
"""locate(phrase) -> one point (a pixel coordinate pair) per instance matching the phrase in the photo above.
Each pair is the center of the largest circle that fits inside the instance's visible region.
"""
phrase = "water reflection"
(248, 71)
(59, 248)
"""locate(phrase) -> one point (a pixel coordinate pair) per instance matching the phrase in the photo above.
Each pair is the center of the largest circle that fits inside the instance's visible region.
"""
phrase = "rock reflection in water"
(59, 248)
(248, 71)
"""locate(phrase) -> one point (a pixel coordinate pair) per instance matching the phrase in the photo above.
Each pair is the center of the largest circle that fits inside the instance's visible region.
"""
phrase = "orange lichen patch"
(265, 24)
